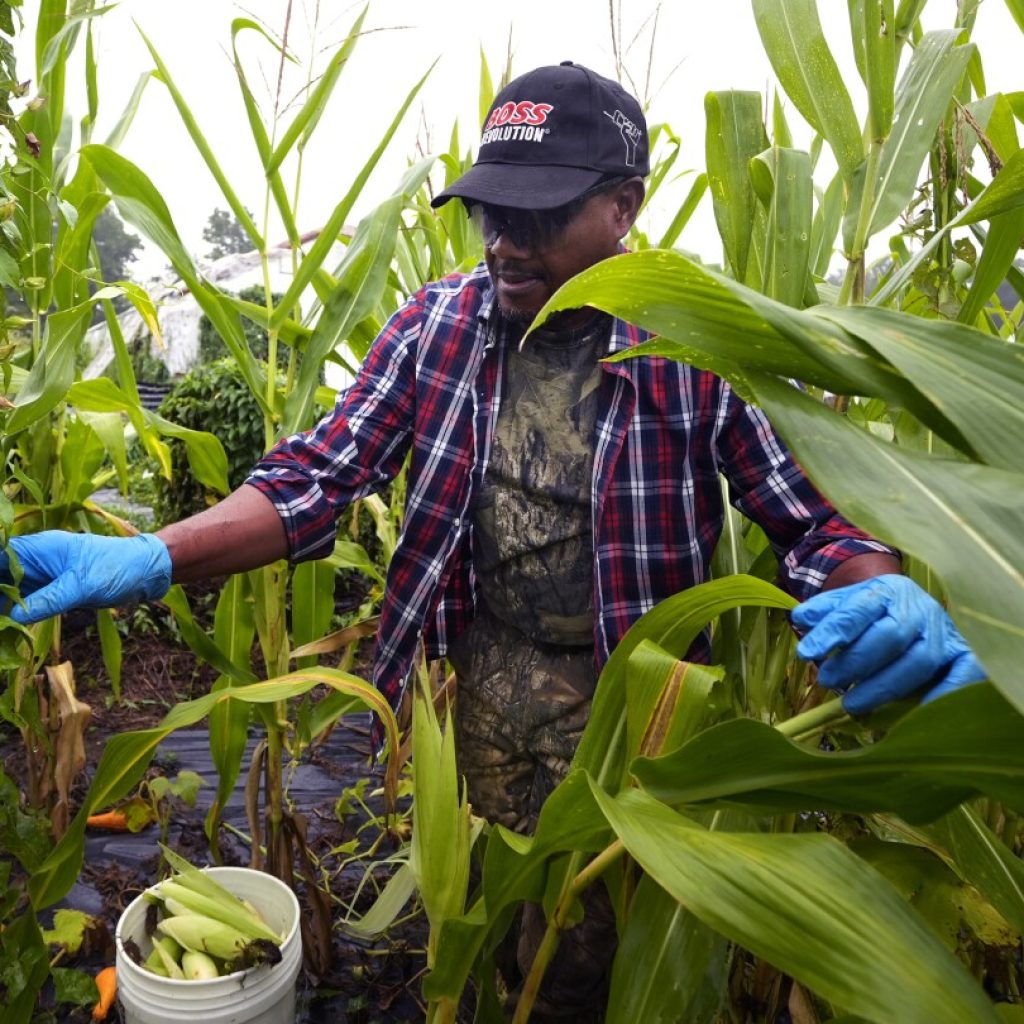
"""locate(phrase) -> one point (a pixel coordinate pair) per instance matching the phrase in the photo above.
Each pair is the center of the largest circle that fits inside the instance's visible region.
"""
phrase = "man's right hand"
(82, 570)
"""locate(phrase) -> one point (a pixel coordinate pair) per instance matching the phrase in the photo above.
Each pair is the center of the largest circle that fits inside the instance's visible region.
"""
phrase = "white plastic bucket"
(260, 995)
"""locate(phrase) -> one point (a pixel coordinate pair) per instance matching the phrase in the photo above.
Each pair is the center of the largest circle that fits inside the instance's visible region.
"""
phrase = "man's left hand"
(883, 639)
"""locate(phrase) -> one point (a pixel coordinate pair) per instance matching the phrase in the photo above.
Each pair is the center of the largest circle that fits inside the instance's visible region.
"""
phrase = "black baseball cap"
(550, 135)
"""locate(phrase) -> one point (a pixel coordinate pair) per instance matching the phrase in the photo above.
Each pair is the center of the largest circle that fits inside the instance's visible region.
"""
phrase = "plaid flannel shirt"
(432, 384)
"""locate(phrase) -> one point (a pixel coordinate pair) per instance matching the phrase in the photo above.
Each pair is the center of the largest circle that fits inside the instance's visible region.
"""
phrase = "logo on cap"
(523, 112)
(631, 134)
(520, 120)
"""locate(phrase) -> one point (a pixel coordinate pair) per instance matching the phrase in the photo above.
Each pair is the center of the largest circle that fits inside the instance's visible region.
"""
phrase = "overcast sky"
(697, 48)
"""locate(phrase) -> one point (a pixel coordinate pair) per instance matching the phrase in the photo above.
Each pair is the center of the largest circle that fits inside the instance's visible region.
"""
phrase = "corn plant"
(60, 435)
(54, 448)
(319, 310)
(58, 432)
(879, 870)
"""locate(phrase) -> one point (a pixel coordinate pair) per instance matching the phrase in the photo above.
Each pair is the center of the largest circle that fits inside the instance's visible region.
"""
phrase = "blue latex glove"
(886, 638)
(82, 570)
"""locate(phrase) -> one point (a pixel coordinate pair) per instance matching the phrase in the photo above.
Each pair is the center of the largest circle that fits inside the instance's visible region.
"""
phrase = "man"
(552, 498)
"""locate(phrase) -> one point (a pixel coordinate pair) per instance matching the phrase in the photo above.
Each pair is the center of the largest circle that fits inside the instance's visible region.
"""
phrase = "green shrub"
(212, 397)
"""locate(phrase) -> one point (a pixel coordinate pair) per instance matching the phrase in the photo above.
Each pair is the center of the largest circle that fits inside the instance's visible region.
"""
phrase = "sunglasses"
(533, 229)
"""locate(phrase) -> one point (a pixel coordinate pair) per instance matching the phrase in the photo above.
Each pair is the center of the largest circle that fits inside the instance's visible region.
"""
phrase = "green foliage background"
(212, 397)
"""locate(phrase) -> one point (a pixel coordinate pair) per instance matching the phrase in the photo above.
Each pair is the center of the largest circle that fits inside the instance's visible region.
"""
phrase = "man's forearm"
(861, 567)
(239, 533)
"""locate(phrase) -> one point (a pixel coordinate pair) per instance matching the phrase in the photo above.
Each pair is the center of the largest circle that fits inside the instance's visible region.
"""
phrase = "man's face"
(528, 266)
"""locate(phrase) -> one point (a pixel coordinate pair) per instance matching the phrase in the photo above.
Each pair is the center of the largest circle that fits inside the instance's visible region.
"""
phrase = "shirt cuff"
(305, 512)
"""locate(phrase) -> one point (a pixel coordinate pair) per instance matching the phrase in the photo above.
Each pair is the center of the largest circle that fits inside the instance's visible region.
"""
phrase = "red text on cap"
(523, 112)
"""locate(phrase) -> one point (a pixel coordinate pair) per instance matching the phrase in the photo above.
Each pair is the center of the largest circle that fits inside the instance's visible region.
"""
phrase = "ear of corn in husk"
(230, 910)
(167, 953)
(198, 966)
(204, 935)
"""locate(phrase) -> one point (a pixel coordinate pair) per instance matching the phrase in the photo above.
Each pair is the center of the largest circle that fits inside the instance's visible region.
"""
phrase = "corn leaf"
(460, 942)
(290, 332)
(669, 965)
(796, 46)
(907, 15)
(110, 645)
(998, 123)
(781, 135)
(205, 151)
(976, 70)
(361, 280)
(1016, 8)
(305, 121)
(932, 759)
(735, 135)
(198, 640)
(981, 858)
(809, 906)
(685, 212)
(672, 625)
(828, 218)
(923, 95)
(205, 453)
(515, 870)
(81, 457)
(314, 259)
(140, 203)
(713, 331)
(124, 122)
(959, 518)
(347, 554)
(259, 130)
(233, 631)
(72, 250)
(666, 699)
(1004, 193)
(143, 207)
(62, 42)
(53, 372)
(873, 27)
(386, 908)
(102, 396)
(782, 181)
(486, 89)
(958, 369)
(312, 605)
(664, 161)
(122, 357)
(109, 428)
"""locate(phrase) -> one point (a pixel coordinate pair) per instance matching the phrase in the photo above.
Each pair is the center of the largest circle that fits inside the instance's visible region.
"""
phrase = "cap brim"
(520, 186)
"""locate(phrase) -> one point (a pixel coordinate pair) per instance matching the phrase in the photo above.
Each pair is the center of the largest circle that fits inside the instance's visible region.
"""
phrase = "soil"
(364, 982)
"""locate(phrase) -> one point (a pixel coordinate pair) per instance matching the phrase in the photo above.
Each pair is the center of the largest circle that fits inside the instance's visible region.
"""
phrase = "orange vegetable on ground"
(106, 982)
(112, 821)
